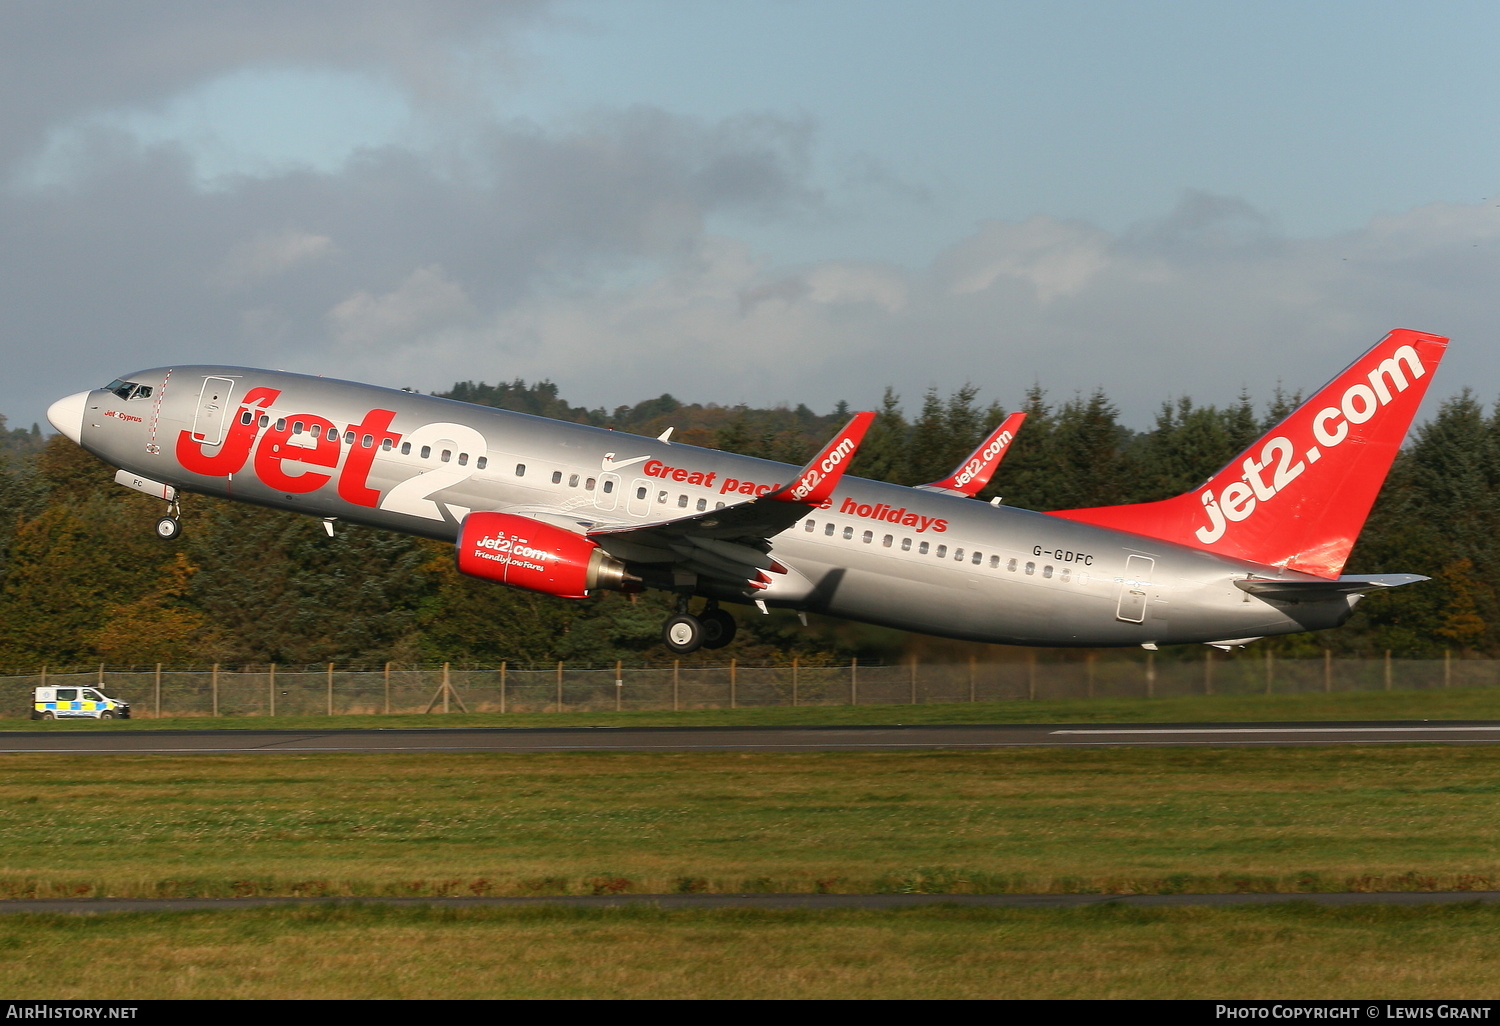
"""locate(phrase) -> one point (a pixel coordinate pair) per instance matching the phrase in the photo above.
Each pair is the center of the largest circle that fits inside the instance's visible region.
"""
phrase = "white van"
(76, 703)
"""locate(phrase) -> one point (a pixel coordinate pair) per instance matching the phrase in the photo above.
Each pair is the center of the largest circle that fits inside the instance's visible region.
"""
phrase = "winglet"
(815, 482)
(979, 466)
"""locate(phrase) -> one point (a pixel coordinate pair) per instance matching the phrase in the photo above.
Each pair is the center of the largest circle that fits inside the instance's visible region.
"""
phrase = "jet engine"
(530, 554)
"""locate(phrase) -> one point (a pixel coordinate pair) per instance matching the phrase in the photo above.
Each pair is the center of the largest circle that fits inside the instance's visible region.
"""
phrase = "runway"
(744, 739)
(805, 901)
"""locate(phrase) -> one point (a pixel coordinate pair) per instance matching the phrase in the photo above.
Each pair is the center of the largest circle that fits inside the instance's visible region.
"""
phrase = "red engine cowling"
(526, 553)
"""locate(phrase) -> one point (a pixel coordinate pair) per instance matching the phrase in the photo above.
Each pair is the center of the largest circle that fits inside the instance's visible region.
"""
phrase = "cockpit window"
(128, 389)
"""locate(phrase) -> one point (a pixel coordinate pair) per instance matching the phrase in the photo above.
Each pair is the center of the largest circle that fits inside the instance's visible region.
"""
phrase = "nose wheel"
(169, 527)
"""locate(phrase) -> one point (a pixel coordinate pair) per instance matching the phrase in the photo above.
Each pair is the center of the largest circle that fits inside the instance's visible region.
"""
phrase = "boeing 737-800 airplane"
(569, 509)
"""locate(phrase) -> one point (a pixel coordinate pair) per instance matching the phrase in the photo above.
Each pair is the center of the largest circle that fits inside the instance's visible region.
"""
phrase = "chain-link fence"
(331, 690)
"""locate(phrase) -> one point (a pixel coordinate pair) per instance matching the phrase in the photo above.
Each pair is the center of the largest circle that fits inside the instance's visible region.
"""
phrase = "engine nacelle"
(527, 553)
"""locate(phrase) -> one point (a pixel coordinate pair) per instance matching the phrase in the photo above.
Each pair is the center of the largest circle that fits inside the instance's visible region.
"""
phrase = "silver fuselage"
(880, 553)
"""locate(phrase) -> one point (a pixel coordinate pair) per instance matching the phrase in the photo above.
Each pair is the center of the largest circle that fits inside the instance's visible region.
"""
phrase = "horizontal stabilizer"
(1321, 591)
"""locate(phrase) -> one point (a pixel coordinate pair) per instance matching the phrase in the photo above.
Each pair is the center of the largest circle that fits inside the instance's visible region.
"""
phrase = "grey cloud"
(62, 60)
(134, 264)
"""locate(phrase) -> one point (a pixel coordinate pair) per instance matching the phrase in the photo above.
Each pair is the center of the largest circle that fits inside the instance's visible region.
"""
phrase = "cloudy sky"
(766, 201)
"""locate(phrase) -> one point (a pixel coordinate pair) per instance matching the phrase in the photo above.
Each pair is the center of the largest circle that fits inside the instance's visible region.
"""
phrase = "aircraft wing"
(979, 466)
(731, 544)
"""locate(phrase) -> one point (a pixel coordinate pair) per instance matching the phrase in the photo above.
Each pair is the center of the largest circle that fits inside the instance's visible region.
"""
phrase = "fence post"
(216, 689)
(1208, 671)
(913, 680)
(1447, 667)
(272, 685)
(101, 676)
(559, 685)
(157, 714)
(1088, 661)
(1388, 669)
(971, 679)
(1030, 674)
(619, 686)
(1150, 674)
(676, 666)
(794, 680)
(387, 689)
(1269, 671)
(1328, 671)
(330, 689)
(502, 685)
(734, 679)
(446, 688)
(853, 680)
(44, 678)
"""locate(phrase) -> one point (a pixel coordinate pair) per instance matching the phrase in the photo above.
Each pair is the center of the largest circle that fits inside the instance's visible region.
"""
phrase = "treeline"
(83, 579)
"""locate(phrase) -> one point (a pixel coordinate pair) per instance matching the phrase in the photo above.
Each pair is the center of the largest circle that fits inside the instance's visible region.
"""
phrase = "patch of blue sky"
(1321, 115)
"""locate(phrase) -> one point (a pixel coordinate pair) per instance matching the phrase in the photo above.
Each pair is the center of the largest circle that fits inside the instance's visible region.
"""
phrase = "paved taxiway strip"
(766, 739)
(700, 901)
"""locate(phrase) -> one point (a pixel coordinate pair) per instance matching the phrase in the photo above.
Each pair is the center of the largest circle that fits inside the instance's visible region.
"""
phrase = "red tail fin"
(976, 470)
(1298, 497)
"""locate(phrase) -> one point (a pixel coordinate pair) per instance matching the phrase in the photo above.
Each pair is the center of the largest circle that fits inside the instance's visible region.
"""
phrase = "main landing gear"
(684, 632)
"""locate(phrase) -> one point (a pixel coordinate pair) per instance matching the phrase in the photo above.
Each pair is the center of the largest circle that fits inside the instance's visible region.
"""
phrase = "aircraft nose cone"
(67, 414)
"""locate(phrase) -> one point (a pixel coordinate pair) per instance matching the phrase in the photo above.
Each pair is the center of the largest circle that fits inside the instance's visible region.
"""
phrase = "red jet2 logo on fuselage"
(322, 447)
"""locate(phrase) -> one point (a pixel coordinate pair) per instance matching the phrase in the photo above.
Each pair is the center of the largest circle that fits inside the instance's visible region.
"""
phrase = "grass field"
(1099, 820)
(1455, 703)
(1287, 951)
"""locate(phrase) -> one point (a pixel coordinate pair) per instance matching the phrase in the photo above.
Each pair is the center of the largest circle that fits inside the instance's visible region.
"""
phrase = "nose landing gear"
(684, 632)
(169, 527)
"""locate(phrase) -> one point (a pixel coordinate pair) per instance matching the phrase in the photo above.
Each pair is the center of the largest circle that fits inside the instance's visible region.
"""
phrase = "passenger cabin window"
(297, 427)
(1031, 568)
(264, 420)
(848, 533)
(829, 530)
(317, 430)
(811, 526)
(942, 551)
(463, 459)
(702, 505)
(994, 562)
(348, 437)
(868, 537)
(367, 441)
(386, 445)
(280, 423)
(557, 477)
(588, 485)
(905, 544)
(958, 555)
(520, 470)
(1011, 566)
(682, 502)
(661, 496)
(426, 452)
(1047, 572)
(447, 455)
(246, 416)
(922, 549)
(482, 462)
(609, 486)
(1063, 576)
(573, 481)
(886, 541)
(978, 558)
(406, 448)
